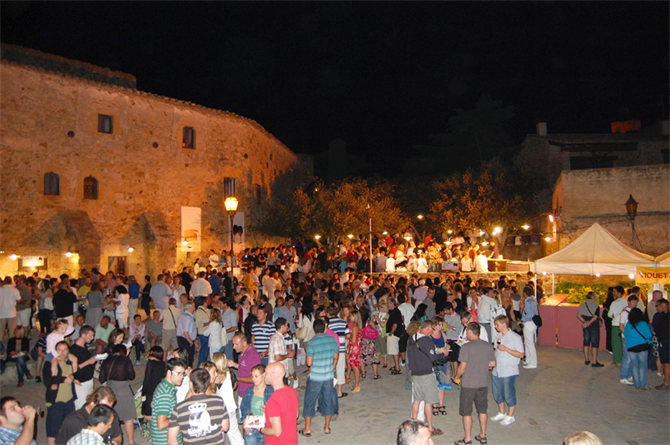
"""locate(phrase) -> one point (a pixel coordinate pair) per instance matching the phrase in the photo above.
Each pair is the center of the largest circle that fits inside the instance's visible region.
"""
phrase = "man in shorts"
(477, 358)
(588, 314)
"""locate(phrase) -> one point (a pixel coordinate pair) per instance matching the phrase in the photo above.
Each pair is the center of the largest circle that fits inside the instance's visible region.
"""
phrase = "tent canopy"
(596, 251)
(663, 260)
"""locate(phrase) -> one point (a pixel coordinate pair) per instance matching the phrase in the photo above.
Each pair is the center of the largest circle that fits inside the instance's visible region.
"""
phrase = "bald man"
(281, 411)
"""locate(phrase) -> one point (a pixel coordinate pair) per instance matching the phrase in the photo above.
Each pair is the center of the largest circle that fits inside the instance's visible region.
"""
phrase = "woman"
(94, 301)
(115, 338)
(380, 317)
(154, 373)
(117, 370)
(136, 337)
(369, 354)
(121, 312)
(473, 303)
(62, 330)
(607, 319)
(443, 379)
(355, 347)
(306, 320)
(661, 323)
(197, 267)
(420, 313)
(422, 264)
(345, 310)
(46, 305)
(221, 385)
(253, 404)
(213, 331)
(59, 380)
(638, 341)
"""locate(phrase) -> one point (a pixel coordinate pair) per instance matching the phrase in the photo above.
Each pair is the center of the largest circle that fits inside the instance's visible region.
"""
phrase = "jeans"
(255, 438)
(44, 317)
(625, 361)
(504, 390)
(321, 391)
(21, 367)
(183, 343)
(228, 350)
(638, 367)
(139, 349)
(265, 360)
(204, 349)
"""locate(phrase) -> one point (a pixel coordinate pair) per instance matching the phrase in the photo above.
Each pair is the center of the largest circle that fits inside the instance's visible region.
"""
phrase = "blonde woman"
(221, 377)
(355, 348)
(213, 331)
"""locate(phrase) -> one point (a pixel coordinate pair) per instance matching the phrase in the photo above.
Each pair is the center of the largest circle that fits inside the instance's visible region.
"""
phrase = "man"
(277, 352)
(165, 399)
(155, 329)
(407, 311)
(248, 358)
(160, 294)
(530, 310)
(626, 372)
(509, 352)
(201, 318)
(395, 328)
(213, 259)
(187, 332)
(78, 324)
(17, 351)
(421, 292)
(17, 424)
(339, 327)
(614, 313)
(145, 299)
(24, 304)
(86, 366)
(9, 296)
(200, 287)
(169, 317)
(281, 411)
(477, 359)
(201, 419)
(588, 314)
(78, 420)
(322, 357)
(102, 332)
(261, 333)
(414, 432)
(486, 304)
(134, 292)
(229, 321)
(215, 281)
(99, 421)
(421, 354)
(430, 303)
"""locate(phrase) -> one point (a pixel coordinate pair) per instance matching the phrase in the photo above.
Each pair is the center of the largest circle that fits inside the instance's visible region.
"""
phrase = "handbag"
(301, 333)
(537, 320)
(370, 332)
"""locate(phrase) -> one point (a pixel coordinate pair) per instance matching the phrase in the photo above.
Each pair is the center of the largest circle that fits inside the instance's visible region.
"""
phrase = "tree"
(481, 200)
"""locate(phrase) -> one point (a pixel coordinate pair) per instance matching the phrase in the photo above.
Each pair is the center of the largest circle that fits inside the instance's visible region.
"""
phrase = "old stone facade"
(582, 197)
(119, 165)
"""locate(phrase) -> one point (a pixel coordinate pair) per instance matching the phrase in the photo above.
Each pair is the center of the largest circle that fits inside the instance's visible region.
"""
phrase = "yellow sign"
(653, 275)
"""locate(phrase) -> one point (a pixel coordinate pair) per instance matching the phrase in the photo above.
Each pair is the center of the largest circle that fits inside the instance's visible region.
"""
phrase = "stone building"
(98, 173)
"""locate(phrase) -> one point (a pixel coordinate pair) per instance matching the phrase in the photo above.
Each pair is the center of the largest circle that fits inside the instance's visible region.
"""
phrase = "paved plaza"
(559, 397)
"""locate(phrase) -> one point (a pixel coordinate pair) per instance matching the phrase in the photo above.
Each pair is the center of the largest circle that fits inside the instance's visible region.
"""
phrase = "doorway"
(117, 264)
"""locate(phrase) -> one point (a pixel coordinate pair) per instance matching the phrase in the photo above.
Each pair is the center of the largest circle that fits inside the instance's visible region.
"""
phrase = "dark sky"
(381, 76)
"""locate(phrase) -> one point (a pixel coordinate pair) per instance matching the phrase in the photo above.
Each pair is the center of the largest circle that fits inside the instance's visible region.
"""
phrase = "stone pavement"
(559, 397)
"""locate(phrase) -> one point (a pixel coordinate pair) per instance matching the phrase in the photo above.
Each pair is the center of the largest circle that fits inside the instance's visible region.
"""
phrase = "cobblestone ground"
(559, 397)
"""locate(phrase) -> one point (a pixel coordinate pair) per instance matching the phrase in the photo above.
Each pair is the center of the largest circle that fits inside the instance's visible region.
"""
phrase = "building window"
(189, 137)
(229, 187)
(257, 193)
(105, 123)
(665, 154)
(90, 188)
(51, 184)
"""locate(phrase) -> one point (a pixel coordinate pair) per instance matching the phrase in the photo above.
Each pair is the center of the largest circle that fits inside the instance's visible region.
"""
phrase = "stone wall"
(50, 124)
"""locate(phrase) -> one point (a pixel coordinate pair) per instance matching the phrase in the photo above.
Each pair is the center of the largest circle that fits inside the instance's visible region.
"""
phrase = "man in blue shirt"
(17, 424)
(134, 292)
(530, 310)
(186, 331)
(322, 356)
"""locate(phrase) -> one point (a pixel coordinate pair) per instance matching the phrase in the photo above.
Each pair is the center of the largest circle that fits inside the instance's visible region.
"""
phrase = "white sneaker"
(508, 420)
(529, 367)
(628, 381)
(498, 417)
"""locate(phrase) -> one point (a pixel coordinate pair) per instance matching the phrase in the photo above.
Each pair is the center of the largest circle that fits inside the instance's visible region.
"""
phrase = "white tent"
(596, 251)
(663, 260)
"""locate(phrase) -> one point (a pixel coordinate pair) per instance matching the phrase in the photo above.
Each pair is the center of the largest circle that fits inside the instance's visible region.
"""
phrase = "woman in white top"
(221, 385)
(390, 263)
(422, 264)
(177, 288)
(213, 331)
(197, 267)
(121, 312)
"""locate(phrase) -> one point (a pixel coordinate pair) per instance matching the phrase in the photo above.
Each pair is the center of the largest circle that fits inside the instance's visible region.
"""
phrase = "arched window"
(51, 184)
(90, 188)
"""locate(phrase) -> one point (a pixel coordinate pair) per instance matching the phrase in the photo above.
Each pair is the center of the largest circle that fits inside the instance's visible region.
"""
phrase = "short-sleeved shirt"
(248, 359)
(262, 335)
(506, 364)
(588, 310)
(9, 436)
(86, 437)
(169, 317)
(164, 401)
(86, 373)
(199, 419)
(277, 347)
(477, 354)
(340, 327)
(283, 404)
(77, 421)
(322, 348)
(103, 333)
(155, 328)
(9, 295)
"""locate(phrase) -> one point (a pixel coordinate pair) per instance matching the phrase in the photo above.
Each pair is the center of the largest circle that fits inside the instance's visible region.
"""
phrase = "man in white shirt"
(509, 352)
(201, 287)
(486, 303)
(213, 259)
(9, 295)
(481, 263)
(614, 312)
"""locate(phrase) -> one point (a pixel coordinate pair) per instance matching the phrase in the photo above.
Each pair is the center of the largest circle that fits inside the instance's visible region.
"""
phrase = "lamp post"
(231, 207)
(631, 209)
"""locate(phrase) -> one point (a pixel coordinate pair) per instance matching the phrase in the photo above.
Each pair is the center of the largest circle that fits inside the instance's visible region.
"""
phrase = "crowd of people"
(205, 335)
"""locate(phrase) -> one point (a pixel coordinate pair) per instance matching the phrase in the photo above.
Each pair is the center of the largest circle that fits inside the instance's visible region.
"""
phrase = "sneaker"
(38, 379)
(508, 420)
(402, 363)
(628, 381)
(529, 367)
(137, 363)
(597, 365)
(498, 417)
(587, 362)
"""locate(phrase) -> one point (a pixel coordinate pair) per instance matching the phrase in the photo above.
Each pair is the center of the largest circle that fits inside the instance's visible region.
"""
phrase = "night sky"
(382, 76)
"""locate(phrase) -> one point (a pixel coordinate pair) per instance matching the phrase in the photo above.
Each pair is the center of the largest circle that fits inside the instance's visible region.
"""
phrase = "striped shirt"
(164, 401)
(199, 419)
(261, 336)
(322, 348)
(340, 327)
(86, 437)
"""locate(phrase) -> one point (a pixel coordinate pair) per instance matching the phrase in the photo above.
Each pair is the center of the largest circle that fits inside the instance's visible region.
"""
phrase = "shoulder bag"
(644, 346)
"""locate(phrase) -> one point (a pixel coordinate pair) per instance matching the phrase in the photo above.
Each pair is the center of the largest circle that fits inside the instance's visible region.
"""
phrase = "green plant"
(577, 292)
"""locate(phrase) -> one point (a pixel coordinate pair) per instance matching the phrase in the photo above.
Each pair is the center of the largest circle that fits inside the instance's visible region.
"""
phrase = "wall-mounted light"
(68, 254)
(385, 233)
(551, 218)
(547, 239)
(184, 243)
(631, 276)
(598, 275)
(317, 237)
(450, 232)
(420, 216)
(525, 227)
(350, 236)
(13, 257)
(130, 249)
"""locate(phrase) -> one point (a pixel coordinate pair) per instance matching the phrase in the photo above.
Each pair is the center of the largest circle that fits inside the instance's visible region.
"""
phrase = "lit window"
(189, 137)
(105, 123)
(229, 187)
(90, 188)
(257, 193)
(51, 184)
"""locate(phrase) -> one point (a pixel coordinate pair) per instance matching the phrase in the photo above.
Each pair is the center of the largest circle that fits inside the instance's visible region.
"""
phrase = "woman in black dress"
(608, 321)
(153, 375)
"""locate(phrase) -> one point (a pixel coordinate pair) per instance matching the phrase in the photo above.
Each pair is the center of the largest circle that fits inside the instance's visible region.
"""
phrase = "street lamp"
(231, 207)
(631, 209)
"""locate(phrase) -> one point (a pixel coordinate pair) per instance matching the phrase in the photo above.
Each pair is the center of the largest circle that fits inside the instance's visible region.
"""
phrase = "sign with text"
(653, 275)
(191, 230)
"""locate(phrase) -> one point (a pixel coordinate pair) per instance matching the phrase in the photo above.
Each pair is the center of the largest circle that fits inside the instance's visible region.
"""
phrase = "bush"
(577, 292)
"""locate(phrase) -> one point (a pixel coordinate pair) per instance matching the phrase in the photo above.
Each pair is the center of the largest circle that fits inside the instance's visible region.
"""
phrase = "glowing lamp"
(130, 249)
(350, 236)
(497, 230)
(420, 216)
(408, 238)
(548, 239)
(317, 237)
(485, 244)
(525, 227)
(184, 243)
(68, 254)
(385, 233)
(481, 233)
(231, 204)
(598, 275)
(631, 276)
(450, 232)
(13, 257)
(551, 218)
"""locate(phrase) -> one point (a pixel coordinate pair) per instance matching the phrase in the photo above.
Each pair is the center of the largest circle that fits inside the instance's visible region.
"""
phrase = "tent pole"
(553, 284)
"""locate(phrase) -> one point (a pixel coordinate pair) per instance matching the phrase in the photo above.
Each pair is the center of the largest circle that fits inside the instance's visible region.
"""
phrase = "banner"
(653, 275)
(190, 229)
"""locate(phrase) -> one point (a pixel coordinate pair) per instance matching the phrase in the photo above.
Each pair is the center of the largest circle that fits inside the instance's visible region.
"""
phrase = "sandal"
(435, 411)
(482, 440)
(463, 442)
(437, 432)
(443, 411)
(363, 376)
(303, 433)
(663, 386)
(377, 377)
